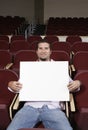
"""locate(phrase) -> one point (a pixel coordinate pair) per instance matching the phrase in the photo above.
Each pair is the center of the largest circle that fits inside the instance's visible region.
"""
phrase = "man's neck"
(44, 59)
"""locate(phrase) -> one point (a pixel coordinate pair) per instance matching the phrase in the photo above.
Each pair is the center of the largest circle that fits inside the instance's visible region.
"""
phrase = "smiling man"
(50, 112)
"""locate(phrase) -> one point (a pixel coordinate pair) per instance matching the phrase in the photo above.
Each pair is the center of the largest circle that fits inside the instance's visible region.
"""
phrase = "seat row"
(31, 38)
(12, 25)
(8, 60)
(77, 62)
(67, 26)
(62, 46)
(12, 38)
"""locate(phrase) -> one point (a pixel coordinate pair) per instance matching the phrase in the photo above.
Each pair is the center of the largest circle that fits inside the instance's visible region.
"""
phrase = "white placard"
(44, 81)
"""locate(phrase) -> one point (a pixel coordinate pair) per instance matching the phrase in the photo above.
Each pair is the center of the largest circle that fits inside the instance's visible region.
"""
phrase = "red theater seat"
(81, 99)
(6, 97)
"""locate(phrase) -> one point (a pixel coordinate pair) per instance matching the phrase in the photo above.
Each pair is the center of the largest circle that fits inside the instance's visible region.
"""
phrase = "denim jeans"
(28, 116)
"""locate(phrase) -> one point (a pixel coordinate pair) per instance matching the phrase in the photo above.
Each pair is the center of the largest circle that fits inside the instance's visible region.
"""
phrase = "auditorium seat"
(60, 56)
(4, 45)
(4, 37)
(33, 45)
(18, 45)
(62, 46)
(5, 59)
(33, 38)
(79, 46)
(72, 39)
(23, 55)
(79, 62)
(51, 38)
(81, 102)
(6, 97)
(17, 37)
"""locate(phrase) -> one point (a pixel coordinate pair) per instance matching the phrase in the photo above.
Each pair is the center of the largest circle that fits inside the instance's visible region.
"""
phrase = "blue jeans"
(28, 116)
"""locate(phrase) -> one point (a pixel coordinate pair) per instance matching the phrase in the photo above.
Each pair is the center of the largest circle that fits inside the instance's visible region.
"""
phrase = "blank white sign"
(44, 81)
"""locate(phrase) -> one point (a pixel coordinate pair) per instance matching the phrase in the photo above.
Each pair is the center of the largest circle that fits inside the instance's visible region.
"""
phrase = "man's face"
(43, 51)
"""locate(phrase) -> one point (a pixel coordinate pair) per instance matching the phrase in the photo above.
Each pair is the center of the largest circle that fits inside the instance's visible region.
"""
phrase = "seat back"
(60, 56)
(51, 38)
(6, 96)
(5, 58)
(61, 46)
(81, 97)
(73, 39)
(4, 37)
(33, 45)
(17, 37)
(23, 55)
(80, 60)
(31, 39)
(4, 45)
(79, 46)
(18, 45)
(5, 77)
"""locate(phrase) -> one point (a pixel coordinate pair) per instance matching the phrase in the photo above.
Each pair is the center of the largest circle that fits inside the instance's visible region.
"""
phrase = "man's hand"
(74, 86)
(15, 86)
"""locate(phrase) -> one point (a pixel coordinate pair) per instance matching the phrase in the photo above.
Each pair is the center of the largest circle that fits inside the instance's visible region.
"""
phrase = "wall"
(39, 11)
(65, 8)
(24, 8)
(33, 9)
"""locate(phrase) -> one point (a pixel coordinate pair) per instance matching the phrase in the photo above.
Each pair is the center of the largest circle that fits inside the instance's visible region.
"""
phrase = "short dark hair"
(43, 41)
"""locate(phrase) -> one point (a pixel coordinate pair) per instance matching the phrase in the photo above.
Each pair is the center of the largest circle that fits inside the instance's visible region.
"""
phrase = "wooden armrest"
(73, 68)
(73, 71)
(14, 105)
(72, 103)
(67, 109)
(8, 65)
(72, 53)
(70, 71)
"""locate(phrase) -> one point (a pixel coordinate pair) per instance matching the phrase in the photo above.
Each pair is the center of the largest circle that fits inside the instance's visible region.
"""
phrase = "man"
(50, 113)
